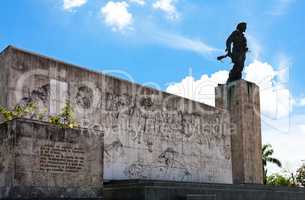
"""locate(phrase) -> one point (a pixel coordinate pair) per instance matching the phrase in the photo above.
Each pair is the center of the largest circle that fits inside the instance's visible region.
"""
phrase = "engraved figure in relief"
(169, 160)
(84, 97)
(113, 151)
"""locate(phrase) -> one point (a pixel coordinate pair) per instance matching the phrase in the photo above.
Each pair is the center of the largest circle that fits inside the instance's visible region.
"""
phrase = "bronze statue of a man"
(237, 53)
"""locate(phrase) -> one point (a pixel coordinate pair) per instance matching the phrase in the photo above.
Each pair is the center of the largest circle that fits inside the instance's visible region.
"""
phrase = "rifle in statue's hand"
(222, 57)
(228, 54)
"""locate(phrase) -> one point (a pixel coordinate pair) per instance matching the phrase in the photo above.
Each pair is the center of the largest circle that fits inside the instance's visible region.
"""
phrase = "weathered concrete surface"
(148, 134)
(39, 160)
(3, 79)
(241, 99)
(161, 190)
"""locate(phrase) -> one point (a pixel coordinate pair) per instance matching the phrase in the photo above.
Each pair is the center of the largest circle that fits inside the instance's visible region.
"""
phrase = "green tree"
(267, 153)
(301, 175)
(279, 179)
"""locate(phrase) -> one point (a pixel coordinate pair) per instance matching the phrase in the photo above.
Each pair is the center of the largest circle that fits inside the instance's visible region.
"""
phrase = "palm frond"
(266, 146)
(274, 161)
(268, 152)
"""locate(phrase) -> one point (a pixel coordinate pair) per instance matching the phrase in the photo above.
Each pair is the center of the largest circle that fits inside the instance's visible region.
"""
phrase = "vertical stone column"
(241, 99)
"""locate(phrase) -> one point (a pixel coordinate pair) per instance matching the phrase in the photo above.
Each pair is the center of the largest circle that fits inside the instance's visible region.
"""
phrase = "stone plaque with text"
(49, 161)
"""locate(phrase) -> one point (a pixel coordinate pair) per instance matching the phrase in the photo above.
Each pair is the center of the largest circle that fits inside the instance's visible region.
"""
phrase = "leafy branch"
(18, 112)
(65, 119)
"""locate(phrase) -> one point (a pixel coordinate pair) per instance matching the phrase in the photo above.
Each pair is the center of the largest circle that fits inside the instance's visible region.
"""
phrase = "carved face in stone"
(41, 93)
(188, 128)
(168, 157)
(134, 171)
(124, 100)
(146, 102)
(84, 97)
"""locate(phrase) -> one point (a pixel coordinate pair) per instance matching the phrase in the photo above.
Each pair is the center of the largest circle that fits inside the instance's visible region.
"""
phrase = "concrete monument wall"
(148, 134)
(39, 160)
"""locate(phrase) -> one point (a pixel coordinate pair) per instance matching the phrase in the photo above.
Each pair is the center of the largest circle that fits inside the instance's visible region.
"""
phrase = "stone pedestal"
(39, 160)
(241, 99)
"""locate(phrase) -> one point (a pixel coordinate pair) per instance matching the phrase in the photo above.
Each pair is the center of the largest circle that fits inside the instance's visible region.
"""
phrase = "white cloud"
(276, 99)
(184, 43)
(168, 7)
(202, 90)
(284, 66)
(117, 16)
(287, 145)
(70, 4)
(140, 2)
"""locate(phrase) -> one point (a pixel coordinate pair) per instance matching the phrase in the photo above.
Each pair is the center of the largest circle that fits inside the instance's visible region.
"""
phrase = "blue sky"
(174, 43)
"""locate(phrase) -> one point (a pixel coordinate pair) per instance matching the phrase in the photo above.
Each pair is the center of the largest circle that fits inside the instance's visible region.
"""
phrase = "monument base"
(166, 190)
(42, 161)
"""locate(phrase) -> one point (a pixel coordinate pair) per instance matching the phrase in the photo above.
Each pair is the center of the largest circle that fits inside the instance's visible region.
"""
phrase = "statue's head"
(242, 27)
